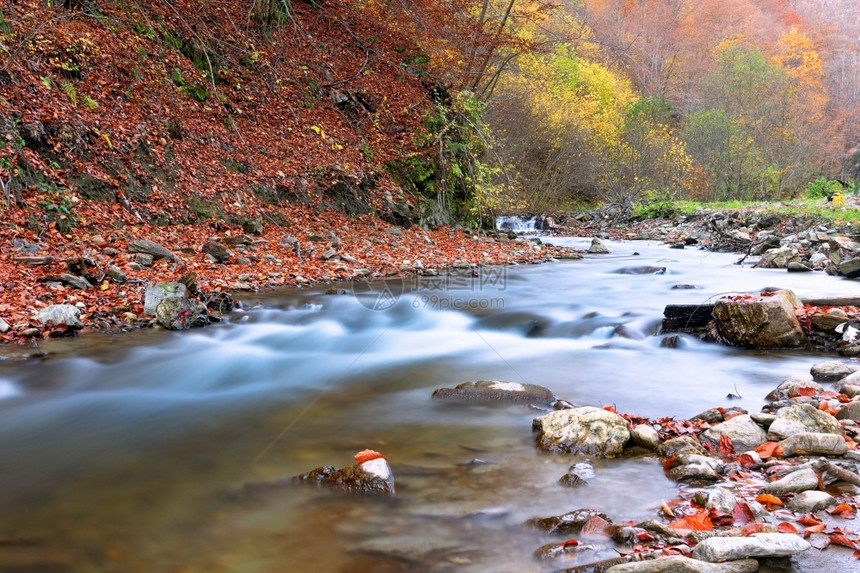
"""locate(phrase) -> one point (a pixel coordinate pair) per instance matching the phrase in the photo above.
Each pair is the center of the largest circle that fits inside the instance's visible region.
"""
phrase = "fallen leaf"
(808, 520)
(786, 527)
(697, 522)
(840, 539)
(569, 543)
(367, 455)
(805, 391)
(751, 528)
(769, 450)
(727, 448)
(769, 501)
(742, 514)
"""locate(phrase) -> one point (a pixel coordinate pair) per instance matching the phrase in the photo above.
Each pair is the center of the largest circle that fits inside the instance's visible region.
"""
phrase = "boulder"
(741, 430)
(832, 371)
(645, 436)
(814, 444)
(152, 248)
(181, 313)
(715, 549)
(373, 476)
(801, 418)
(827, 321)
(155, 293)
(683, 564)
(722, 500)
(597, 247)
(764, 322)
(75, 282)
(590, 431)
(217, 251)
(778, 258)
(850, 268)
(809, 501)
(797, 481)
(497, 391)
(57, 314)
(791, 387)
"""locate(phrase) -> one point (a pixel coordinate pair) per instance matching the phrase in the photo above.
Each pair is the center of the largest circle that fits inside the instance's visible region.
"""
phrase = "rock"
(569, 523)
(850, 390)
(591, 431)
(241, 240)
(683, 564)
(814, 444)
(330, 254)
(57, 314)
(116, 274)
(152, 248)
(826, 321)
(797, 267)
(715, 549)
(741, 430)
(711, 416)
(809, 501)
(832, 371)
(4, 326)
(850, 268)
(577, 475)
(801, 418)
(143, 259)
(155, 293)
(679, 446)
(766, 322)
(394, 231)
(642, 271)
(762, 419)
(800, 480)
(597, 247)
(217, 251)
(722, 500)
(181, 313)
(497, 391)
(850, 411)
(852, 349)
(33, 261)
(645, 436)
(75, 282)
(24, 246)
(790, 387)
(778, 258)
(693, 472)
(372, 476)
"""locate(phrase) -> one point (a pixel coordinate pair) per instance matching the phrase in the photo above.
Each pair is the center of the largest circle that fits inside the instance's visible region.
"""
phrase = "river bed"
(131, 452)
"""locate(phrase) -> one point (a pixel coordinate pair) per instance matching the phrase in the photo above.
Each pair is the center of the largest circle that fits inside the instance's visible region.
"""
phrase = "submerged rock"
(764, 322)
(372, 476)
(801, 418)
(577, 475)
(591, 431)
(497, 391)
(716, 549)
(569, 523)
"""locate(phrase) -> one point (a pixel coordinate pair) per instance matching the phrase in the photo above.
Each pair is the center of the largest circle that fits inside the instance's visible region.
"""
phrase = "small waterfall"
(521, 224)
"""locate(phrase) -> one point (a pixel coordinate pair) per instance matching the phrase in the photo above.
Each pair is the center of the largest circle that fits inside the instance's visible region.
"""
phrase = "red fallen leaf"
(742, 514)
(367, 455)
(667, 463)
(857, 554)
(808, 520)
(733, 415)
(805, 391)
(769, 501)
(769, 450)
(645, 536)
(673, 551)
(814, 529)
(841, 508)
(786, 527)
(746, 461)
(751, 528)
(569, 543)
(840, 539)
(697, 522)
(610, 409)
(727, 448)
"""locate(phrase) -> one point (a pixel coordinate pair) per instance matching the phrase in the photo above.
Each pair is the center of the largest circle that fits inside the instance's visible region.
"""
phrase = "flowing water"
(131, 453)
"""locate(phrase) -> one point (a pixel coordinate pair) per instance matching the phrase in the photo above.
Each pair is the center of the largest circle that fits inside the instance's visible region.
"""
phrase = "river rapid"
(131, 452)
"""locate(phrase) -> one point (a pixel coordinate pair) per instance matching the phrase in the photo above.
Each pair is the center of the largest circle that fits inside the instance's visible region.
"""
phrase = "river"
(130, 452)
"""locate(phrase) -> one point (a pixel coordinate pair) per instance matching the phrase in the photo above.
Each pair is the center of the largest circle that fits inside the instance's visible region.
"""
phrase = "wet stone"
(373, 476)
(809, 501)
(801, 480)
(715, 549)
(693, 472)
(801, 418)
(721, 499)
(813, 444)
(831, 371)
(561, 552)
(682, 445)
(577, 475)
(587, 430)
(711, 416)
(791, 387)
(645, 436)
(569, 523)
(850, 411)
(597, 247)
(683, 564)
(497, 391)
(744, 433)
